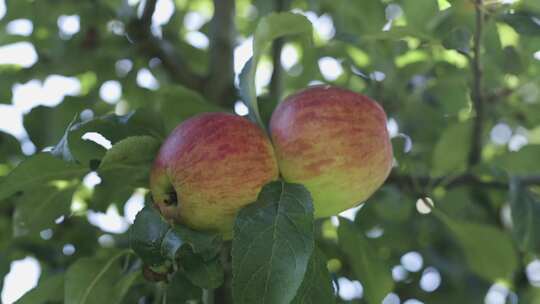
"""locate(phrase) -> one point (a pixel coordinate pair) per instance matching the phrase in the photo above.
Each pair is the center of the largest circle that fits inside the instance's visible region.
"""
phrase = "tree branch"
(478, 96)
(466, 179)
(148, 12)
(220, 83)
(139, 32)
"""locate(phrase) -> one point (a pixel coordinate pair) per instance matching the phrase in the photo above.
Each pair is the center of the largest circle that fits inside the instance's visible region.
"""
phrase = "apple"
(208, 168)
(334, 142)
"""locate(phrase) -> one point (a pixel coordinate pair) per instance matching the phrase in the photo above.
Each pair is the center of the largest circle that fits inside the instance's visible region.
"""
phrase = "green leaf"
(317, 286)
(146, 237)
(420, 18)
(520, 162)
(156, 242)
(113, 127)
(205, 274)
(269, 28)
(272, 244)
(391, 204)
(37, 209)
(531, 4)
(484, 246)
(4, 266)
(97, 280)
(203, 243)
(38, 170)
(523, 22)
(177, 103)
(452, 93)
(125, 167)
(459, 38)
(360, 18)
(367, 265)
(49, 290)
(525, 206)
(451, 151)
(181, 291)
(45, 125)
(8, 77)
(9, 147)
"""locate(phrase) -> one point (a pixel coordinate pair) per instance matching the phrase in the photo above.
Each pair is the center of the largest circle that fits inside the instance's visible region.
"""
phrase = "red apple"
(208, 168)
(334, 142)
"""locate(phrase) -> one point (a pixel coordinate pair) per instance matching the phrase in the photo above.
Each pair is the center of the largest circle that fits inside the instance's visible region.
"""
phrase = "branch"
(478, 96)
(139, 32)
(466, 179)
(148, 12)
(220, 83)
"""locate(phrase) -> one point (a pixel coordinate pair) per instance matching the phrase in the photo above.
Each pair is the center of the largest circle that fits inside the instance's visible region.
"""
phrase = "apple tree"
(91, 91)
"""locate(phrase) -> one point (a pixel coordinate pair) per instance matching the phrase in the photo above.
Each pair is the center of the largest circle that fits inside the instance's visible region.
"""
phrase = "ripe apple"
(334, 142)
(208, 168)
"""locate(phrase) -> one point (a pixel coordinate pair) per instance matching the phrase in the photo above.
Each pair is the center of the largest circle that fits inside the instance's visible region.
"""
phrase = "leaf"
(203, 243)
(38, 170)
(365, 17)
(452, 94)
(97, 280)
(367, 265)
(177, 103)
(181, 290)
(125, 167)
(156, 242)
(525, 206)
(72, 147)
(524, 22)
(420, 18)
(317, 285)
(459, 38)
(269, 28)
(4, 267)
(49, 290)
(531, 4)
(8, 77)
(272, 244)
(520, 162)
(146, 236)
(451, 151)
(205, 274)
(36, 210)
(9, 147)
(484, 246)
(45, 125)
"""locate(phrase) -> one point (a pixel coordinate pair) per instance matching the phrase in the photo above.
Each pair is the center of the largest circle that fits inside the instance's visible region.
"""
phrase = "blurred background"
(64, 60)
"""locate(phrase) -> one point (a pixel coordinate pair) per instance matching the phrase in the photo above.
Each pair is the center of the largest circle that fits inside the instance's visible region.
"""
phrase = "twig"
(220, 83)
(457, 181)
(478, 96)
(139, 32)
(148, 12)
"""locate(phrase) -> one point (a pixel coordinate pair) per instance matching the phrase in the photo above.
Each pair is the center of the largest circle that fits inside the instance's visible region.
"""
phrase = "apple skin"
(334, 142)
(208, 168)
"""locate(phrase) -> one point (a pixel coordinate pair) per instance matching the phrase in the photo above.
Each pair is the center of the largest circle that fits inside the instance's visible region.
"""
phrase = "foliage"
(451, 75)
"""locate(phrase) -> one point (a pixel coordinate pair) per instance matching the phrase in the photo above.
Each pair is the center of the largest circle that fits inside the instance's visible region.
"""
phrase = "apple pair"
(331, 140)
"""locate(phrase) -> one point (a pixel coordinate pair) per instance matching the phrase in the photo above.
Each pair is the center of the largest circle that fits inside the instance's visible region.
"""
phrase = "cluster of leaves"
(279, 254)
